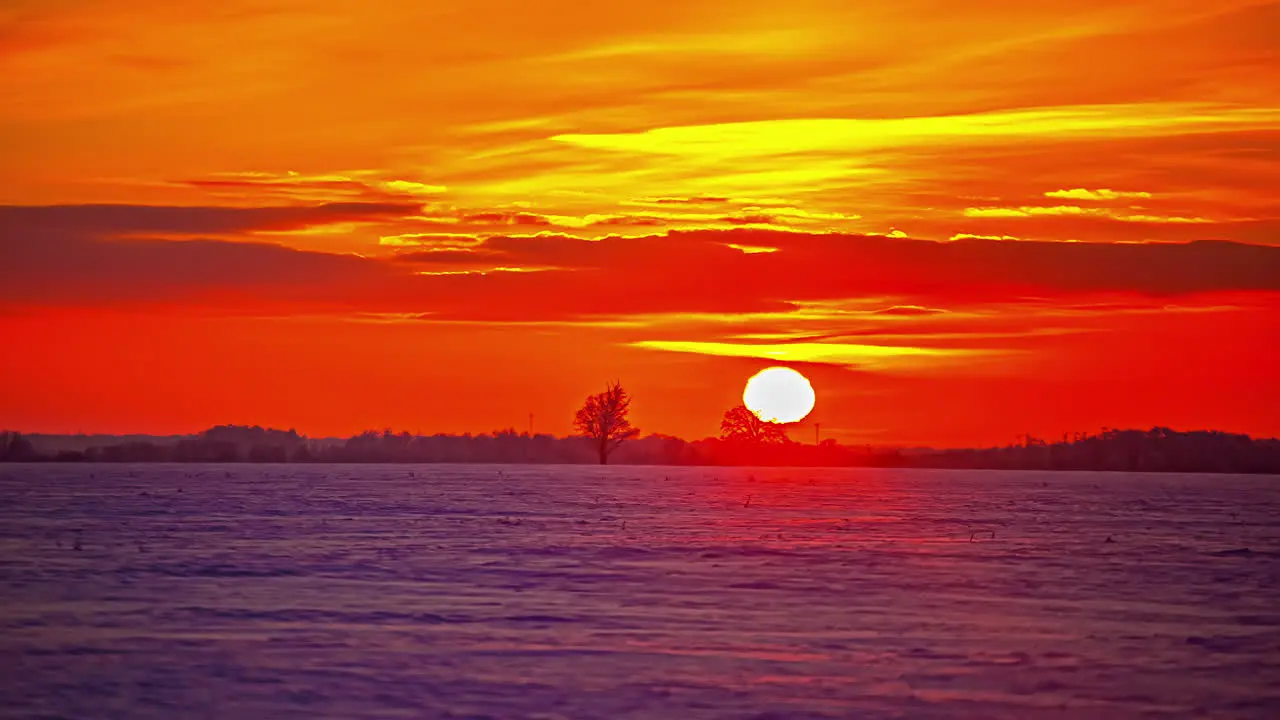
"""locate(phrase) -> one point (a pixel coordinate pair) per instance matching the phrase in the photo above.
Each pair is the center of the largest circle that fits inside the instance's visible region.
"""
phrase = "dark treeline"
(1155, 450)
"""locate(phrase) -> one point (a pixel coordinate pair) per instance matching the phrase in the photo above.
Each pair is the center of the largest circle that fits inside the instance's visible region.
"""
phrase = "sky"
(963, 222)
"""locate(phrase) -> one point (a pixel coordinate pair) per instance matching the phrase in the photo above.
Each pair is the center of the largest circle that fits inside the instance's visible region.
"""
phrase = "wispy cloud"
(864, 357)
(785, 137)
(1028, 211)
(1101, 194)
(970, 236)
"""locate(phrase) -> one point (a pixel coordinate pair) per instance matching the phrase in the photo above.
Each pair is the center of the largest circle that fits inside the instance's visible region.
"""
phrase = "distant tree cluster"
(224, 443)
(605, 433)
(15, 448)
(502, 446)
(1159, 449)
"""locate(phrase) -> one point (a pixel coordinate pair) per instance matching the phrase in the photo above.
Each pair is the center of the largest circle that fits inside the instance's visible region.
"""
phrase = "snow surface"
(301, 591)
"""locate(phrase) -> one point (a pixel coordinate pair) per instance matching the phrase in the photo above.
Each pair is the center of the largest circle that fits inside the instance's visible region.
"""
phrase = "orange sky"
(963, 221)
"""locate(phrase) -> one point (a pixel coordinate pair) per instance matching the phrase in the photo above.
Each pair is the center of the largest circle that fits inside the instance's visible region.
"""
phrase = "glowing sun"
(779, 394)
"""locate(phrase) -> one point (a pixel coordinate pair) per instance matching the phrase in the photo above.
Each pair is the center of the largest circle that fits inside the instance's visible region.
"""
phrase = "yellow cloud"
(788, 137)
(434, 239)
(752, 249)
(1100, 194)
(486, 271)
(412, 188)
(871, 357)
(970, 236)
(1162, 219)
(1026, 211)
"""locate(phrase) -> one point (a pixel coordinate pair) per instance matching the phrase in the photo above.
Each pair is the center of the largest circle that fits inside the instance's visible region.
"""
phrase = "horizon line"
(1018, 440)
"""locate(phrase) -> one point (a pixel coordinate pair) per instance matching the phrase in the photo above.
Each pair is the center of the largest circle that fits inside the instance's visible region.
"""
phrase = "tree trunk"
(604, 455)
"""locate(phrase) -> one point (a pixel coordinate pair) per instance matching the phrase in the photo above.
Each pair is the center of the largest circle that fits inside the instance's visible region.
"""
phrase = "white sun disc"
(779, 394)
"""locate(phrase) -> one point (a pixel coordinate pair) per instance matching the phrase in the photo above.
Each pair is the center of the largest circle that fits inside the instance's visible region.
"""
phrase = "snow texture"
(303, 591)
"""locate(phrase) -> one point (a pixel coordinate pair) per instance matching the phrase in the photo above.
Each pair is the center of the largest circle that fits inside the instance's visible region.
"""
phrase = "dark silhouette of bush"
(741, 425)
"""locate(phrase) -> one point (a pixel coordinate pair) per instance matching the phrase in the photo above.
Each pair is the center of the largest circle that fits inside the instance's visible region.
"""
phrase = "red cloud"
(67, 255)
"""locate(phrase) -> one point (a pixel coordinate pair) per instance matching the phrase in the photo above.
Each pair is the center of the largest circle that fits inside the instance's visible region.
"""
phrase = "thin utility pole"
(530, 424)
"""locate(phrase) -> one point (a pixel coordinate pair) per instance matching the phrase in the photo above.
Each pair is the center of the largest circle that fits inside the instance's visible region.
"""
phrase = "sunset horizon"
(1020, 221)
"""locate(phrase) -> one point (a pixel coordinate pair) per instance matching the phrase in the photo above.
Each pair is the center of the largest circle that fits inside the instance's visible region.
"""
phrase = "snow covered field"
(307, 591)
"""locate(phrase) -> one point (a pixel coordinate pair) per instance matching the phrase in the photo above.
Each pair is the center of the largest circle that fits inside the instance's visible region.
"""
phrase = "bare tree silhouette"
(602, 419)
(740, 423)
